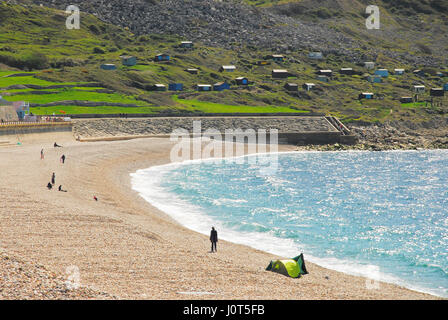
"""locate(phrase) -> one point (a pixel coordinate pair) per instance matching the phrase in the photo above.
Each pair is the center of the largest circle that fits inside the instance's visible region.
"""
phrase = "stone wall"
(295, 130)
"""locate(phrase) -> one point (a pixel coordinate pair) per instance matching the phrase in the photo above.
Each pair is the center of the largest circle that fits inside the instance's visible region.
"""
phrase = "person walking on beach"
(63, 159)
(53, 178)
(214, 239)
(42, 154)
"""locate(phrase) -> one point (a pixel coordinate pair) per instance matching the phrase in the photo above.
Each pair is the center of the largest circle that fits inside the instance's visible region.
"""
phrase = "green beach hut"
(293, 268)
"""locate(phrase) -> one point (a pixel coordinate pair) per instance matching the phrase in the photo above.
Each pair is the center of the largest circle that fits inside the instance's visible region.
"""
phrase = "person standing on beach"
(53, 178)
(42, 154)
(214, 239)
(63, 159)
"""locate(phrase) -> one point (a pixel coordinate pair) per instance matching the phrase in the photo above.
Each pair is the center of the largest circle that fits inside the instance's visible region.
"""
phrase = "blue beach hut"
(382, 73)
(175, 87)
(221, 86)
(445, 87)
(108, 66)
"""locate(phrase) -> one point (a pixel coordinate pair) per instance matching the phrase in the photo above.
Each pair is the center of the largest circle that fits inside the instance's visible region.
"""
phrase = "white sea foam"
(147, 182)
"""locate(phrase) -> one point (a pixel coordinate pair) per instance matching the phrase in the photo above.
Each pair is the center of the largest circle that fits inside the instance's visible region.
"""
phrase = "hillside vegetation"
(65, 66)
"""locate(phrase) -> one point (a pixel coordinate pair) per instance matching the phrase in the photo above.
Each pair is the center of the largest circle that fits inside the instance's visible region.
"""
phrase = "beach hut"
(437, 92)
(406, 100)
(159, 87)
(316, 55)
(323, 78)
(365, 95)
(128, 60)
(175, 87)
(419, 73)
(203, 87)
(326, 72)
(308, 86)
(108, 66)
(186, 44)
(192, 71)
(374, 79)
(291, 87)
(277, 57)
(162, 57)
(382, 73)
(242, 81)
(263, 63)
(399, 72)
(347, 71)
(229, 68)
(293, 268)
(419, 89)
(369, 65)
(221, 86)
(445, 87)
(280, 73)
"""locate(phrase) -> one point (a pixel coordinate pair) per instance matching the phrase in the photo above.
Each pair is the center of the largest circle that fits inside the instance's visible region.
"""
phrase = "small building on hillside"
(365, 95)
(175, 87)
(382, 72)
(316, 55)
(158, 87)
(108, 66)
(323, 78)
(440, 74)
(326, 72)
(437, 92)
(308, 86)
(399, 72)
(406, 99)
(162, 57)
(419, 89)
(375, 78)
(204, 87)
(129, 61)
(229, 68)
(242, 81)
(369, 65)
(419, 73)
(221, 86)
(280, 73)
(291, 87)
(445, 87)
(192, 71)
(186, 44)
(347, 71)
(278, 57)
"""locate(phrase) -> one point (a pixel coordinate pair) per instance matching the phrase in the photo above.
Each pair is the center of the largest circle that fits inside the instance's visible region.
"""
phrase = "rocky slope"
(233, 24)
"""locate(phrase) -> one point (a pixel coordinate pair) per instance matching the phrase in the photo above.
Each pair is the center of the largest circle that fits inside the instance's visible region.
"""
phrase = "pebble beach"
(122, 246)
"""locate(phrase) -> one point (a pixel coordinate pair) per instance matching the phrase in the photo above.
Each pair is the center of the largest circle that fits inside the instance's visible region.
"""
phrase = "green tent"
(293, 268)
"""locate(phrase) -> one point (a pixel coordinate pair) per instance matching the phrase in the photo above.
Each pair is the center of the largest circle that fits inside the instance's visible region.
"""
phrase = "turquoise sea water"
(383, 215)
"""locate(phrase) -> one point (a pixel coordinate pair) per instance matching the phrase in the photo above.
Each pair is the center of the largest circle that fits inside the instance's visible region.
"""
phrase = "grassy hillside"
(35, 39)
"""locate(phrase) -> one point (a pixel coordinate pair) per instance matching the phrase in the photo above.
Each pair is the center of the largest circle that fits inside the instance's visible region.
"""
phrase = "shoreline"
(98, 237)
(392, 278)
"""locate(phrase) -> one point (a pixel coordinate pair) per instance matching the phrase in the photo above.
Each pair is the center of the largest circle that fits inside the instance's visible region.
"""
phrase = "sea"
(382, 215)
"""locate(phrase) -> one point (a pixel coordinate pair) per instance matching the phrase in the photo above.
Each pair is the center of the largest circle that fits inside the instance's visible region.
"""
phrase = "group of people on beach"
(52, 183)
